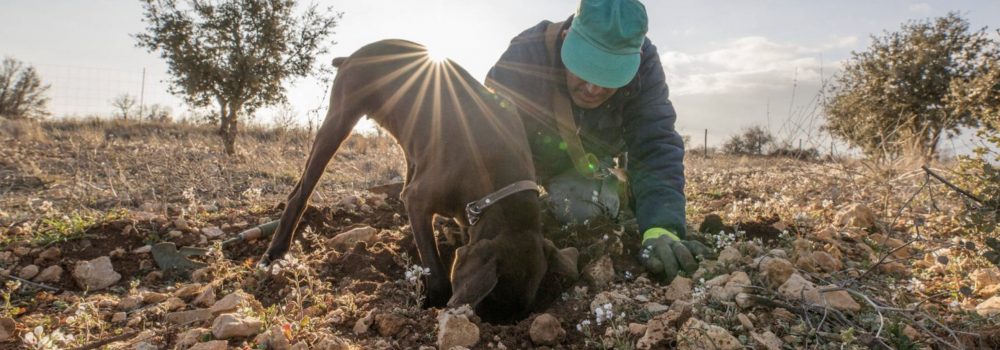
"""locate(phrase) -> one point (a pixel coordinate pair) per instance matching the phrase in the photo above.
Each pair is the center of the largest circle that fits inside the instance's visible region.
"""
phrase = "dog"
(467, 158)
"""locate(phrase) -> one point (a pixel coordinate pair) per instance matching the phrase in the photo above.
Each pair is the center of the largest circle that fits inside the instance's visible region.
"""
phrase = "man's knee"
(574, 199)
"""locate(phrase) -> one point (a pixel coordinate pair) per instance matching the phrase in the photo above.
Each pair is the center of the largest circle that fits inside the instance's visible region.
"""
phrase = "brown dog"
(462, 148)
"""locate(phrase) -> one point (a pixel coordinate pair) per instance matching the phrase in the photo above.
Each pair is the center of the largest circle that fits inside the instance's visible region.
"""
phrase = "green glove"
(664, 254)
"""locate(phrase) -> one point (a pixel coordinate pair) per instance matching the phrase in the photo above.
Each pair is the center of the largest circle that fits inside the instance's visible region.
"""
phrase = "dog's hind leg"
(422, 224)
(339, 122)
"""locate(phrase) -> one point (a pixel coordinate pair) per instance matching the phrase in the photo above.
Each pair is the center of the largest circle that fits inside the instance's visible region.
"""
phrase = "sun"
(436, 55)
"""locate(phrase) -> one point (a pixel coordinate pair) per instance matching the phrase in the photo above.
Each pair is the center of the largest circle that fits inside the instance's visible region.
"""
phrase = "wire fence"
(90, 91)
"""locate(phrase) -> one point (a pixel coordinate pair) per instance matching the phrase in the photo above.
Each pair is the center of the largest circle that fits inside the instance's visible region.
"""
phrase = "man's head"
(602, 48)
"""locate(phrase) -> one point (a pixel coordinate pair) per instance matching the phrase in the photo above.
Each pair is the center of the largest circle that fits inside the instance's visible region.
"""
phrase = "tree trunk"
(229, 133)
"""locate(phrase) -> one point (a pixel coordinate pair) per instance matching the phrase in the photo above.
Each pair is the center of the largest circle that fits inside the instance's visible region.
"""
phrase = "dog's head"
(500, 277)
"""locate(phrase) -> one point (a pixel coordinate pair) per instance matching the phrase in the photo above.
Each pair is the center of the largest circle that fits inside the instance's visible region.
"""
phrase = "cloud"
(921, 8)
(748, 63)
(752, 80)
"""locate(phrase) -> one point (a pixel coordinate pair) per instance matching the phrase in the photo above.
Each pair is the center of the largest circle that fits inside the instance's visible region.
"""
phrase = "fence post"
(142, 93)
(706, 143)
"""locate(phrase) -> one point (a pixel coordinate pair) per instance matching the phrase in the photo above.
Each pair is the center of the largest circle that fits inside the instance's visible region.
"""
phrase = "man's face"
(584, 94)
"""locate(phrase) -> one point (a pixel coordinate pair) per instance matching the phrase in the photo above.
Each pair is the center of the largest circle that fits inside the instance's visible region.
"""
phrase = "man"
(601, 60)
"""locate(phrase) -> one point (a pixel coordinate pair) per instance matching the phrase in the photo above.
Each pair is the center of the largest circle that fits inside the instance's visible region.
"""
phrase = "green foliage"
(897, 97)
(237, 54)
(751, 141)
(22, 94)
(62, 229)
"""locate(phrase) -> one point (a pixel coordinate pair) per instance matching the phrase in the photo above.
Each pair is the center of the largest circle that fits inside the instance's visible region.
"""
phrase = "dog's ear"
(474, 273)
(562, 262)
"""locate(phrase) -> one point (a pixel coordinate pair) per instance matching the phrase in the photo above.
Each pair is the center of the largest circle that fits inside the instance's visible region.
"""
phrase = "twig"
(106, 341)
(33, 284)
(953, 187)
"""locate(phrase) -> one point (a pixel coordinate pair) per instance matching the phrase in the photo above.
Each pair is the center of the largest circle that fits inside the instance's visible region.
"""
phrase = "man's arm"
(656, 151)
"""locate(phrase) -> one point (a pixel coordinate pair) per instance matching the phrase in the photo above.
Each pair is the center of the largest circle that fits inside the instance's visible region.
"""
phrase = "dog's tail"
(339, 61)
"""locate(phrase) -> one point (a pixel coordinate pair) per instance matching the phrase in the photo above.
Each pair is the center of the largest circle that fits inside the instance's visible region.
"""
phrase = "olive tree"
(893, 98)
(237, 54)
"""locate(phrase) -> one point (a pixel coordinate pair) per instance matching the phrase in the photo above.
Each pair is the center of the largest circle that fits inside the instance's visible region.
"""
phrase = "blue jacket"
(637, 119)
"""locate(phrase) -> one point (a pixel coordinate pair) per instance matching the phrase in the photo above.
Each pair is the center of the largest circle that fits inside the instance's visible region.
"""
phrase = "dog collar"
(474, 209)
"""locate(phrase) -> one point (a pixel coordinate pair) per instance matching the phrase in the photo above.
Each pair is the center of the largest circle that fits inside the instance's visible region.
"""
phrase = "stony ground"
(827, 255)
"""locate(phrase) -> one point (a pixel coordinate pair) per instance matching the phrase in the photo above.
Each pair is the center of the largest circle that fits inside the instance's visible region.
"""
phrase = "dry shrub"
(23, 130)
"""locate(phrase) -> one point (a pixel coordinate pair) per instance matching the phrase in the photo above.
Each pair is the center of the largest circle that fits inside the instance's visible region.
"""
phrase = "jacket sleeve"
(656, 151)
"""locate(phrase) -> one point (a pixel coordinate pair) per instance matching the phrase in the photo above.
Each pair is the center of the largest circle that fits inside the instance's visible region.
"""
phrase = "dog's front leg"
(422, 224)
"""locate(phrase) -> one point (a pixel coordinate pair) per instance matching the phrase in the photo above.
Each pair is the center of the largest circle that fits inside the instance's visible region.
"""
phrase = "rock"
(805, 263)
(129, 302)
(546, 330)
(329, 342)
(362, 325)
(202, 275)
(455, 329)
(118, 317)
(175, 234)
(347, 240)
(181, 224)
(826, 235)
(21, 250)
(600, 273)
(989, 308)
(679, 289)
(607, 297)
(663, 327)
(893, 268)
(839, 299)
(188, 291)
(28, 272)
(231, 302)
(782, 314)
(189, 317)
(826, 262)
(985, 277)
(274, 339)
(801, 246)
(143, 249)
(211, 345)
(190, 337)
(173, 303)
(300, 346)
(767, 340)
(152, 297)
(636, 329)
(745, 322)
(390, 324)
(795, 287)
(778, 253)
(144, 346)
(729, 256)
(49, 255)
(95, 274)
(206, 298)
(744, 301)
(232, 325)
(735, 284)
(212, 232)
(776, 271)
(857, 215)
(911, 332)
(696, 334)
(655, 308)
(52, 274)
(8, 329)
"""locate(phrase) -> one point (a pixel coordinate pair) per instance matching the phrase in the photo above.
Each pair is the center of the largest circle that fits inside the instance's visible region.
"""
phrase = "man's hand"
(664, 254)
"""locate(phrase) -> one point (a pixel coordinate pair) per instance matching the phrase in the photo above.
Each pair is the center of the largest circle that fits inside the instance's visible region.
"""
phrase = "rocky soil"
(808, 255)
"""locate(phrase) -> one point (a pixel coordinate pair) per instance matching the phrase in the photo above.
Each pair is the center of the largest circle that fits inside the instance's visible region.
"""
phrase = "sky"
(729, 64)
